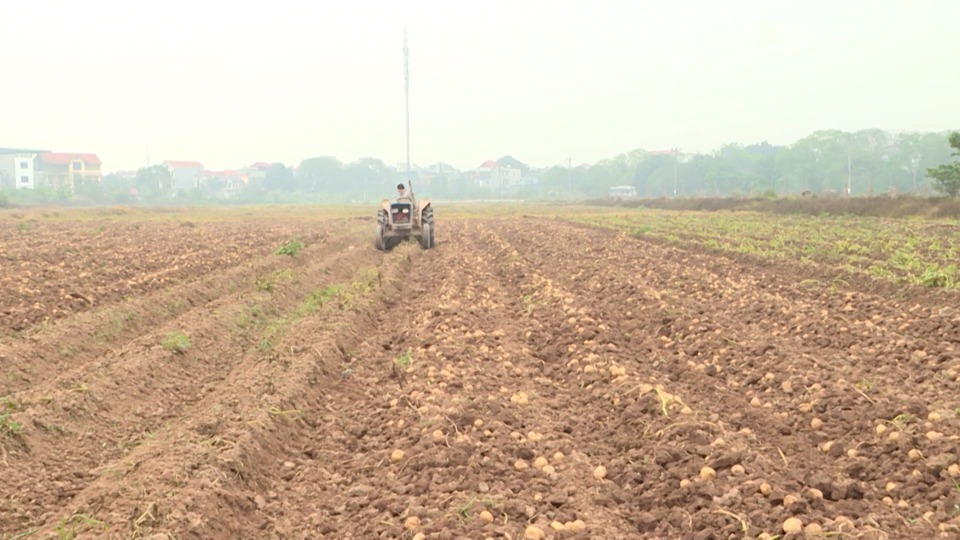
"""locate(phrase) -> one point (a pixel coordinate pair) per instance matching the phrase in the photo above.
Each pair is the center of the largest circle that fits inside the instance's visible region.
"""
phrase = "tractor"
(407, 218)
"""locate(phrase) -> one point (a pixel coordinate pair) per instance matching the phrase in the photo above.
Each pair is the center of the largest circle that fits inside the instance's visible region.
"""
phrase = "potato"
(792, 526)
(533, 533)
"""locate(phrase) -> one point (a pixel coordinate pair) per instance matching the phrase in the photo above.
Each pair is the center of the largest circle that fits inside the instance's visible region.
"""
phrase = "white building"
(17, 168)
(186, 175)
(494, 175)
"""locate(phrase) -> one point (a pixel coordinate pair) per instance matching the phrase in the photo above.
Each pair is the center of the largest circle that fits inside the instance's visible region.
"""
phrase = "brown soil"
(476, 390)
(58, 268)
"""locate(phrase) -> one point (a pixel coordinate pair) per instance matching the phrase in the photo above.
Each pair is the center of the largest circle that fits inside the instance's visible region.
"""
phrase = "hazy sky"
(230, 83)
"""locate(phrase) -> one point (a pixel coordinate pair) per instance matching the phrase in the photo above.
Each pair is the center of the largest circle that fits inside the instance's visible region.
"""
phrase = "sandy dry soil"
(527, 378)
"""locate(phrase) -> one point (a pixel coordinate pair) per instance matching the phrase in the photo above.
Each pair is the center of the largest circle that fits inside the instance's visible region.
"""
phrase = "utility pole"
(676, 169)
(406, 88)
(570, 176)
(849, 165)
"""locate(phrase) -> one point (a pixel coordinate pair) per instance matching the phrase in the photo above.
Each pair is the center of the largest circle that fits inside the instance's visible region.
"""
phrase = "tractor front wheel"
(426, 236)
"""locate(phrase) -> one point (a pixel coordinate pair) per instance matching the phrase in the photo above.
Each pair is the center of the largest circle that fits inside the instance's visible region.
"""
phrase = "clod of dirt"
(726, 460)
(646, 522)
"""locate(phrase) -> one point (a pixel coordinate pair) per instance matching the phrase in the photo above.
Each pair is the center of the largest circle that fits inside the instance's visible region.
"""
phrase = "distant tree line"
(861, 163)
(825, 162)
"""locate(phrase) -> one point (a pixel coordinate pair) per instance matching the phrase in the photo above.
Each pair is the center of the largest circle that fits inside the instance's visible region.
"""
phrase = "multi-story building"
(66, 170)
(186, 175)
(18, 168)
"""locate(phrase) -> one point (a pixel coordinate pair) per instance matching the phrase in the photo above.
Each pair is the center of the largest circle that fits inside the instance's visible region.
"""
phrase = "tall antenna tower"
(406, 88)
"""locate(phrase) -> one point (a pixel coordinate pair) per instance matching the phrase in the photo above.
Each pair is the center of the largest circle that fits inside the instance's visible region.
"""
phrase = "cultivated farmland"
(545, 372)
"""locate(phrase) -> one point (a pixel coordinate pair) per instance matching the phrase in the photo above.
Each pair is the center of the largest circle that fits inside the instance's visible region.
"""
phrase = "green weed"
(176, 341)
(290, 248)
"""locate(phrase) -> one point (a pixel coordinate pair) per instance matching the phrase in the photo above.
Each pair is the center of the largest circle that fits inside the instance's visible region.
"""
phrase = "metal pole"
(849, 165)
(676, 166)
(406, 87)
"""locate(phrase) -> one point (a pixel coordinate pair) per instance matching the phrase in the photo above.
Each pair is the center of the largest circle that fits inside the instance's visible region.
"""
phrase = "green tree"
(90, 190)
(154, 180)
(947, 175)
(321, 174)
(369, 177)
(279, 178)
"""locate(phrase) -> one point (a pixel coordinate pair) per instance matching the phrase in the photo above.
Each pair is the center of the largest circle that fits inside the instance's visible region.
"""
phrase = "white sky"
(230, 83)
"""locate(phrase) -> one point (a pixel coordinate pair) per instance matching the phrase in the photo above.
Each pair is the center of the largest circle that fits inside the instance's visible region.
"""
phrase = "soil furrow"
(527, 378)
(89, 404)
(838, 410)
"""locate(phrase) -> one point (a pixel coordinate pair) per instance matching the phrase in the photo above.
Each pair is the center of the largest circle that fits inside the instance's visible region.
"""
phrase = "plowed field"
(528, 378)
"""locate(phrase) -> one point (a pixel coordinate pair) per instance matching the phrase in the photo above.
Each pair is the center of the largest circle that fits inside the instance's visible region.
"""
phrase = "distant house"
(186, 175)
(257, 172)
(491, 173)
(66, 170)
(18, 168)
(224, 184)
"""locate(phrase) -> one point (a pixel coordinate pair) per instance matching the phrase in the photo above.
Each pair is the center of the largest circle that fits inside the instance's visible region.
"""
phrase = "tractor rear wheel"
(426, 236)
(379, 241)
